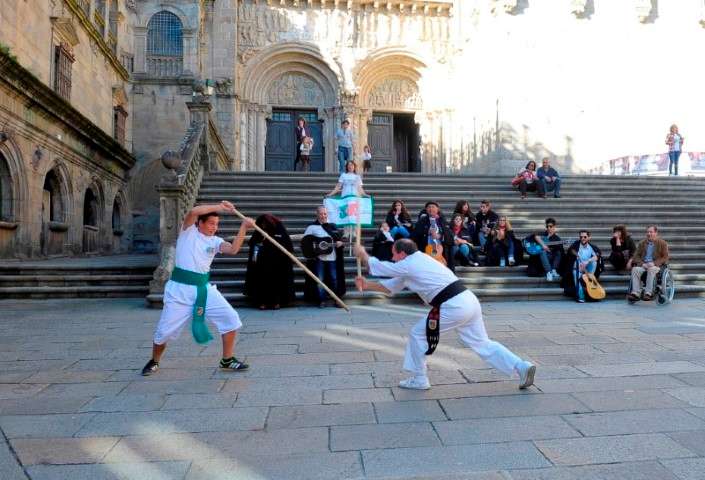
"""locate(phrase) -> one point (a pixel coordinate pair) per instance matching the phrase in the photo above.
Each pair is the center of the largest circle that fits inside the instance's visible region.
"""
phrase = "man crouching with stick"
(189, 296)
(454, 307)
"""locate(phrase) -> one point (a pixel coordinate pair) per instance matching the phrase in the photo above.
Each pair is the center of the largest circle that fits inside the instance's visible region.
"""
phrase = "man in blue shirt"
(549, 178)
(344, 137)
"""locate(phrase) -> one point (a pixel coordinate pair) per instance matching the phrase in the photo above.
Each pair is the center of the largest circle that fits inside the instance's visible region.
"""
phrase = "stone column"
(261, 114)
(330, 125)
(140, 46)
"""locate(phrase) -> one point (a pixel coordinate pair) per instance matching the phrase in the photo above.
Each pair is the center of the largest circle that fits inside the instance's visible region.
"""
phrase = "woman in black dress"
(269, 281)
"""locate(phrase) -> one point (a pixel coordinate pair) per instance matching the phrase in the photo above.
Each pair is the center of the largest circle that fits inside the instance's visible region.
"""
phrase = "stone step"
(490, 294)
(82, 291)
(61, 278)
(485, 281)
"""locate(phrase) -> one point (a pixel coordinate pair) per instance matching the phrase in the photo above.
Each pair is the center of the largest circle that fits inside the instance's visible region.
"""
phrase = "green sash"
(200, 281)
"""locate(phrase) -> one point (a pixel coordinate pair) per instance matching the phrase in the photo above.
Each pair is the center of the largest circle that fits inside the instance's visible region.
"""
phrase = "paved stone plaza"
(620, 394)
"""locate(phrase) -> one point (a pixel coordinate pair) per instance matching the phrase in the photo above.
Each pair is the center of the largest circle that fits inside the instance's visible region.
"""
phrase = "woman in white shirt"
(349, 182)
(674, 140)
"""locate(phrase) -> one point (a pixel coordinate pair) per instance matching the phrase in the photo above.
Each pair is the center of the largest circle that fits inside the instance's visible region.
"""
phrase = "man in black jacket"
(485, 220)
(433, 227)
(329, 268)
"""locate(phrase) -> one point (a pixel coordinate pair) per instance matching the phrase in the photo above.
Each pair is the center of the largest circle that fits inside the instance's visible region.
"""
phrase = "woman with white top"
(349, 183)
(674, 140)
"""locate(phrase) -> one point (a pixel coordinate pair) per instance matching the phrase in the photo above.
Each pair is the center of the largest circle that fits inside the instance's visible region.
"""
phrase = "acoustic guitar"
(532, 247)
(313, 246)
(435, 250)
(593, 289)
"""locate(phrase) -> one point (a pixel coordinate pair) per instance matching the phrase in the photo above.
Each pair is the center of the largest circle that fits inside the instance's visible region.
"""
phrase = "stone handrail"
(201, 151)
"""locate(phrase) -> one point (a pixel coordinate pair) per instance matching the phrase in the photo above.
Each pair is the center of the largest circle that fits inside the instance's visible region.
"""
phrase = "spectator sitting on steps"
(548, 260)
(528, 181)
(651, 253)
(549, 179)
(399, 221)
(623, 247)
(485, 220)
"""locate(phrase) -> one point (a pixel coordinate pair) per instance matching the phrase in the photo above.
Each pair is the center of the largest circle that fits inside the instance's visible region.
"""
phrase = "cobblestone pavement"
(620, 394)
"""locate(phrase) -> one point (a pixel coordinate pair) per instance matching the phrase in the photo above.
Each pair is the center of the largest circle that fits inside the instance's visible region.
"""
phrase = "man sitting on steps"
(550, 255)
(651, 253)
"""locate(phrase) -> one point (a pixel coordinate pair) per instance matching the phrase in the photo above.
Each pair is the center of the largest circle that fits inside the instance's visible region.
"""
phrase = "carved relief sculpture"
(396, 93)
(295, 89)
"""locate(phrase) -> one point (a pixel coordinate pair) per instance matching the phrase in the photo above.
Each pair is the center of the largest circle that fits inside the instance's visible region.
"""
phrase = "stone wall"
(66, 175)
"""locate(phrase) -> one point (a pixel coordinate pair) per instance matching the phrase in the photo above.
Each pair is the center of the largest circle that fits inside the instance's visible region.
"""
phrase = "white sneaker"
(502, 263)
(549, 277)
(415, 383)
(556, 276)
(511, 261)
(526, 371)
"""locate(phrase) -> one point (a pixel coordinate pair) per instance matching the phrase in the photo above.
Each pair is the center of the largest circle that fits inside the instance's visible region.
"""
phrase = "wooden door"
(280, 149)
(380, 138)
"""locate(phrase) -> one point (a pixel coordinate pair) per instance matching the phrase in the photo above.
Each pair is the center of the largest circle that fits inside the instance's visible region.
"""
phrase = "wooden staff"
(358, 242)
(296, 261)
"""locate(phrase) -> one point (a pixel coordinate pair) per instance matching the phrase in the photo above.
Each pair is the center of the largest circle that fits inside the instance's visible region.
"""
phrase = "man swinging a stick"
(454, 307)
(189, 296)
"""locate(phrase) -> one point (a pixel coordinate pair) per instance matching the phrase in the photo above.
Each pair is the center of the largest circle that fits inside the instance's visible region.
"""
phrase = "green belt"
(200, 281)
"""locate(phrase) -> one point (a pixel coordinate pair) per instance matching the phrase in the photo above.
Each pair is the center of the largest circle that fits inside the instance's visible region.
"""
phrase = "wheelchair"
(664, 286)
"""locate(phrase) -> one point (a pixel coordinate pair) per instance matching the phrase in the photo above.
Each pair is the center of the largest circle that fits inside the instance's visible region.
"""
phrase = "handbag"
(517, 180)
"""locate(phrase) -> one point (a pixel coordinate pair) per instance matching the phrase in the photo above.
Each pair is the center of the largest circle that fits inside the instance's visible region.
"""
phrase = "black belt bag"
(433, 320)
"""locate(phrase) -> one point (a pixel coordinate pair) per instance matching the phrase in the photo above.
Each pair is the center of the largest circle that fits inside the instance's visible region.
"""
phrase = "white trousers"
(178, 311)
(464, 313)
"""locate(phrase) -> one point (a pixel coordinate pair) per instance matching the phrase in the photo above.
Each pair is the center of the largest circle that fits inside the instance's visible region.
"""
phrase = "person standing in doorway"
(674, 140)
(301, 132)
(344, 138)
(366, 159)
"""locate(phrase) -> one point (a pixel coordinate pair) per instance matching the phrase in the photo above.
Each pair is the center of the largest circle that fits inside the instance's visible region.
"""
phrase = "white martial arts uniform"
(427, 277)
(194, 252)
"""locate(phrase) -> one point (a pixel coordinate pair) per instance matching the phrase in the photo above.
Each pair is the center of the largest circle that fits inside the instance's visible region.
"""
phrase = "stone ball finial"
(171, 160)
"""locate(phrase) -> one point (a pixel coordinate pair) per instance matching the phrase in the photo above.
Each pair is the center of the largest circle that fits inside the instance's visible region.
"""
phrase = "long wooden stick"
(297, 262)
(358, 242)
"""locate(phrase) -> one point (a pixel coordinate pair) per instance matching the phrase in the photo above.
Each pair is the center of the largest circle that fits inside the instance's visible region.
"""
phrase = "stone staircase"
(78, 277)
(593, 202)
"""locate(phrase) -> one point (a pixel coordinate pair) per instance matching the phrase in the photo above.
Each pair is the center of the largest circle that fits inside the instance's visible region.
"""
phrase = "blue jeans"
(482, 238)
(344, 154)
(321, 268)
(550, 260)
(466, 251)
(554, 186)
(589, 268)
(673, 161)
(399, 230)
(504, 252)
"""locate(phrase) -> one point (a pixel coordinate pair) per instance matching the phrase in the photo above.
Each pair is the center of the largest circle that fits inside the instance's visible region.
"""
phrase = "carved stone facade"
(65, 128)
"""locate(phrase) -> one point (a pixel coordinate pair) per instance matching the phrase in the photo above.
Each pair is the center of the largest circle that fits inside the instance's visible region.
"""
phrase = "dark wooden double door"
(280, 149)
(394, 141)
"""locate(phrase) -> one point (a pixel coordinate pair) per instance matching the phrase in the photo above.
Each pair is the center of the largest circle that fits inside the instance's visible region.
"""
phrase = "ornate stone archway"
(391, 80)
(289, 75)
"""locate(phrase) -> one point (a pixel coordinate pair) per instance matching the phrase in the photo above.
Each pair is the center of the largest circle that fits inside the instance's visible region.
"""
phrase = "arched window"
(5, 190)
(52, 194)
(165, 50)
(90, 209)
